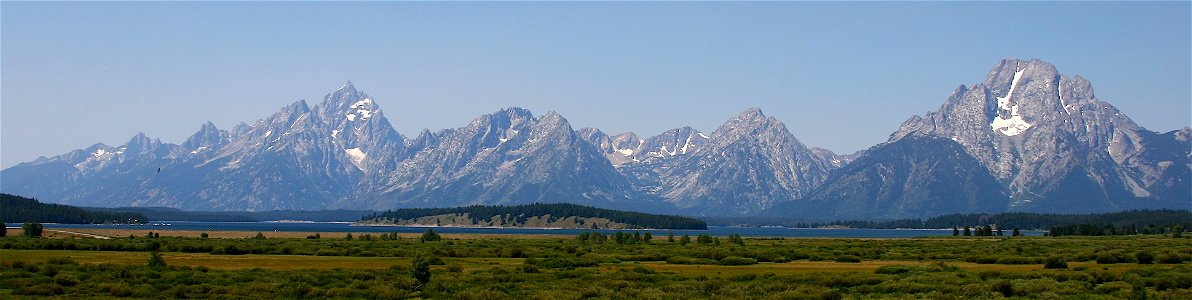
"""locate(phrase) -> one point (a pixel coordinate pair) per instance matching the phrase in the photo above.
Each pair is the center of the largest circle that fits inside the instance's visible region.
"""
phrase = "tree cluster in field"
(618, 237)
(1136, 218)
(19, 209)
(556, 210)
(984, 230)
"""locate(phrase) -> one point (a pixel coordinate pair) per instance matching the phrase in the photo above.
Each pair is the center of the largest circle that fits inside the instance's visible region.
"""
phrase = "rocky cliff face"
(749, 164)
(508, 157)
(913, 177)
(1056, 146)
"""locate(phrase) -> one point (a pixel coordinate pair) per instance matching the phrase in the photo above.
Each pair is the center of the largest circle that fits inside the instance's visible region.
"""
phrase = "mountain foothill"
(1025, 139)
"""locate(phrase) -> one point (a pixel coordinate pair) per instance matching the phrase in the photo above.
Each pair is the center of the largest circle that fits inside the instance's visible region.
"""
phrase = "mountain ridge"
(1043, 138)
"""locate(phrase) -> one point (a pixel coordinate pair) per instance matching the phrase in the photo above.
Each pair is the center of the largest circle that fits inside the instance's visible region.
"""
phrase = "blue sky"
(842, 76)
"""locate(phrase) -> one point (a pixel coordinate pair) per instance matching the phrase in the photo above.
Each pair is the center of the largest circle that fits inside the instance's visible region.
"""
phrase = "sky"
(840, 75)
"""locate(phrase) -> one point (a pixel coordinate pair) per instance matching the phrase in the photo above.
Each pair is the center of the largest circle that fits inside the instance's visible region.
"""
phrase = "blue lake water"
(712, 230)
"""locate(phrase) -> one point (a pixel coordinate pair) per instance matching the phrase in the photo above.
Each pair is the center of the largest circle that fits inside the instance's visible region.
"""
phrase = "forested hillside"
(1134, 218)
(17, 209)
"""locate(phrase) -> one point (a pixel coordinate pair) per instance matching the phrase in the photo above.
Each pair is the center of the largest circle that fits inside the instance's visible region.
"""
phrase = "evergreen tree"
(155, 260)
(647, 237)
(967, 232)
(670, 236)
(686, 239)
(955, 232)
(348, 237)
(3, 229)
(1016, 232)
(420, 269)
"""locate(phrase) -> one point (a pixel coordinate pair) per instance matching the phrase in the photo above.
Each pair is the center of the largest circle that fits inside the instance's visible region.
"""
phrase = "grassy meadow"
(380, 266)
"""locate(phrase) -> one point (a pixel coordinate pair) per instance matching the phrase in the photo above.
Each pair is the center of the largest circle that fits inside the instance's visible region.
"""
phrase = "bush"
(1114, 257)
(430, 236)
(737, 261)
(1003, 287)
(1055, 262)
(1169, 258)
(848, 259)
(31, 229)
(683, 260)
(1144, 257)
(1015, 261)
(565, 262)
(892, 269)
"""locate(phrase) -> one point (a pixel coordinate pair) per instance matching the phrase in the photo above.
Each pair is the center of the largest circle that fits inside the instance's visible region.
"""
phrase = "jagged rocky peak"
(206, 138)
(424, 140)
(674, 142)
(752, 119)
(1047, 138)
(141, 143)
(619, 150)
(595, 136)
(498, 127)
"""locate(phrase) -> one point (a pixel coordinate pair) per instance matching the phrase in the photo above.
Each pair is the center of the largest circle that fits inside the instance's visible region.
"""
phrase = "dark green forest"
(173, 214)
(558, 210)
(17, 209)
(1164, 218)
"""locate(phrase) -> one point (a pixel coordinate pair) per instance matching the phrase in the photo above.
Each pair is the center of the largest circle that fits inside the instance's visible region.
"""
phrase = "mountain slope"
(749, 164)
(913, 177)
(508, 157)
(298, 158)
(1056, 146)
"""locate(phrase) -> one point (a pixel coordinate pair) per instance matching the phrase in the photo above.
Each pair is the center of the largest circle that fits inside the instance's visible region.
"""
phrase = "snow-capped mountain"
(1044, 136)
(749, 164)
(628, 148)
(1025, 139)
(507, 157)
(298, 158)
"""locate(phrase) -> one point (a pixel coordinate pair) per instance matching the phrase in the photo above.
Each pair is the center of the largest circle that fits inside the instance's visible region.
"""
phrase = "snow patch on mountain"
(357, 157)
(1014, 125)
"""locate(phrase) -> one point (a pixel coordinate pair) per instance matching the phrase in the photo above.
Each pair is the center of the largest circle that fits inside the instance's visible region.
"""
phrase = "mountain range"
(1025, 139)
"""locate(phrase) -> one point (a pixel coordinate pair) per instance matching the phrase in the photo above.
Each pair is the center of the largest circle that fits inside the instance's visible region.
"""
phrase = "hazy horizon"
(76, 74)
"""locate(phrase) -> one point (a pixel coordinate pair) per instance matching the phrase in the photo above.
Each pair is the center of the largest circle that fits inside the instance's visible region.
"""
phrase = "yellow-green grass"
(805, 267)
(236, 262)
(295, 262)
(228, 234)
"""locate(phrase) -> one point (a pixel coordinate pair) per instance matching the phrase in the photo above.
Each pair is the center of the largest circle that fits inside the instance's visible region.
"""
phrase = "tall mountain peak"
(1048, 138)
(207, 137)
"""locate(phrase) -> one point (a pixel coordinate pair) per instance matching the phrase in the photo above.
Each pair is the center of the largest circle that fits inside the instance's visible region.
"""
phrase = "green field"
(567, 268)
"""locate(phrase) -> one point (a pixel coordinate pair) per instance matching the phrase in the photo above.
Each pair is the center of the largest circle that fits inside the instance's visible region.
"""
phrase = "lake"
(346, 227)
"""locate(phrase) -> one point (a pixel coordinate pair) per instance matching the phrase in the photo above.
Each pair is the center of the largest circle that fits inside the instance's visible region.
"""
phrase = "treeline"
(17, 209)
(1133, 218)
(559, 210)
(1104, 230)
(172, 214)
